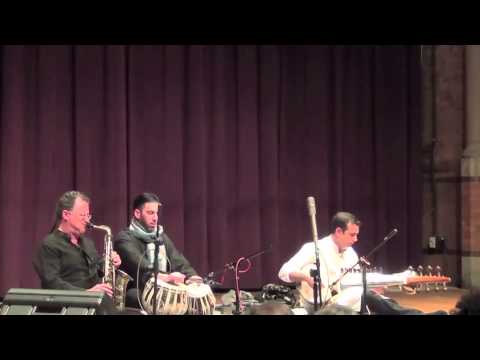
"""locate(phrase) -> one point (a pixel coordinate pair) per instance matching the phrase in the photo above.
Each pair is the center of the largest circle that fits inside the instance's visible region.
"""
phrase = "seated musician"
(336, 254)
(66, 259)
(135, 246)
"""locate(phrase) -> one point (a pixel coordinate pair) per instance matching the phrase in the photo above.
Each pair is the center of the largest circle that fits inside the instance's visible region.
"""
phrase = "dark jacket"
(132, 252)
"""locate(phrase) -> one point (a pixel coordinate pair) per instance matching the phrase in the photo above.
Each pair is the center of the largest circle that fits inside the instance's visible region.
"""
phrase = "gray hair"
(66, 202)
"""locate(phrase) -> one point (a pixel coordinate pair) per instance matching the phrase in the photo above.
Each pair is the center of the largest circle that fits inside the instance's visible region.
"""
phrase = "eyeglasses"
(85, 216)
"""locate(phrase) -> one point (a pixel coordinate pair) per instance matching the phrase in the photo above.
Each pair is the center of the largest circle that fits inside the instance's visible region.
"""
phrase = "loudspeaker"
(51, 302)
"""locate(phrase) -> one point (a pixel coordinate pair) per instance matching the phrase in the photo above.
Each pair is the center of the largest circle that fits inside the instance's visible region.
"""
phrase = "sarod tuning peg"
(429, 273)
(420, 273)
(420, 270)
(438, 271)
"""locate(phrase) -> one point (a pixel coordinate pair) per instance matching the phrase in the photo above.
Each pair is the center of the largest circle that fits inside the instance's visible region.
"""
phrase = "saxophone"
(117, 279)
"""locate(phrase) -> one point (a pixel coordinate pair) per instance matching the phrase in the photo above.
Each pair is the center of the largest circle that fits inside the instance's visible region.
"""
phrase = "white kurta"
(332, 264)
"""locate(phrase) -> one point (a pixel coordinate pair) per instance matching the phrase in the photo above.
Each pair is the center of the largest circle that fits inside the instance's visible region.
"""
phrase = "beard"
(145, 226)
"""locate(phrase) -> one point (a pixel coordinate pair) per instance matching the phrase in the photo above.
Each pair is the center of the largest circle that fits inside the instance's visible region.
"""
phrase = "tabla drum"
(171, 298)
(201, 300)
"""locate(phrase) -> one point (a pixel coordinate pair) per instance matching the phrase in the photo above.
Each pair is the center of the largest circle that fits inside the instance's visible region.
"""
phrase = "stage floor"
(424, 301)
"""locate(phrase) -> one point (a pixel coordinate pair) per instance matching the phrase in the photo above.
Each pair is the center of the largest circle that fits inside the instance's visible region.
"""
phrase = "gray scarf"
(139, 230)
(148, 238)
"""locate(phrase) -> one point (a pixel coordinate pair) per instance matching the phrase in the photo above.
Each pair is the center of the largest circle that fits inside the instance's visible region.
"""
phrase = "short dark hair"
(66, 202)
(141, 199)
(341, 219)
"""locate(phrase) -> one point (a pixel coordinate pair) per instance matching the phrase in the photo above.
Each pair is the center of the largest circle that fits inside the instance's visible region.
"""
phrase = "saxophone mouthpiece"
(90, 225)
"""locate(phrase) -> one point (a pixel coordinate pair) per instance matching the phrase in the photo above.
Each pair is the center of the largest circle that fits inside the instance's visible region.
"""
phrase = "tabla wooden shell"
(171, 298)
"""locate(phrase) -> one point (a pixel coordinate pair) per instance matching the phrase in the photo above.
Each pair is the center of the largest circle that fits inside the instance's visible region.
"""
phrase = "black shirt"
(63, 265)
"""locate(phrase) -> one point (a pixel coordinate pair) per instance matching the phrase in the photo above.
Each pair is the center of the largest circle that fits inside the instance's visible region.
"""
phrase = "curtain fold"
(232, 138)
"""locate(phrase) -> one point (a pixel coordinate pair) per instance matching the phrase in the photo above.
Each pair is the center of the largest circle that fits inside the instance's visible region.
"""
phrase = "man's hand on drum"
(106, 288)
(116, 259)
(194, 279)
(174, 277)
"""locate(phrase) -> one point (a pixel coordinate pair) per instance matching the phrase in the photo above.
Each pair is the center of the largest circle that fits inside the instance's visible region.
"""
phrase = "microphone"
(209, 280)
(159, 237)
(151, 246)
(312, 212)
(150, 254)
(391, 234)
(311, 205)
(365, 261)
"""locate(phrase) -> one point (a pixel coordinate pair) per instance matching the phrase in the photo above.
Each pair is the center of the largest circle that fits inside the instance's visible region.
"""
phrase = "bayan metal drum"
(201, 300)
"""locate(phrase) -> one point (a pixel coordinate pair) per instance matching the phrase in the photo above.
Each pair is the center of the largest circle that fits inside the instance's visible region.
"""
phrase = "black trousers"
(381, 306)
(131, 298)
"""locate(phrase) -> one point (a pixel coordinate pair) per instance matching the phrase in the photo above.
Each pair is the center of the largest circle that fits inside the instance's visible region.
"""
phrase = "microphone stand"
(363, 262)
(363, 307)
(315, 273)
(156, 270)
(237, 288)
(234, 266)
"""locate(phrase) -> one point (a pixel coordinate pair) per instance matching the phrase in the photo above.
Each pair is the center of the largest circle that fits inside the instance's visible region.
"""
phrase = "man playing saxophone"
(68, 260)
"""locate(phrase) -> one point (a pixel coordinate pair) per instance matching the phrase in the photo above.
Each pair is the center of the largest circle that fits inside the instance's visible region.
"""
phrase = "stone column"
(471, 171)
